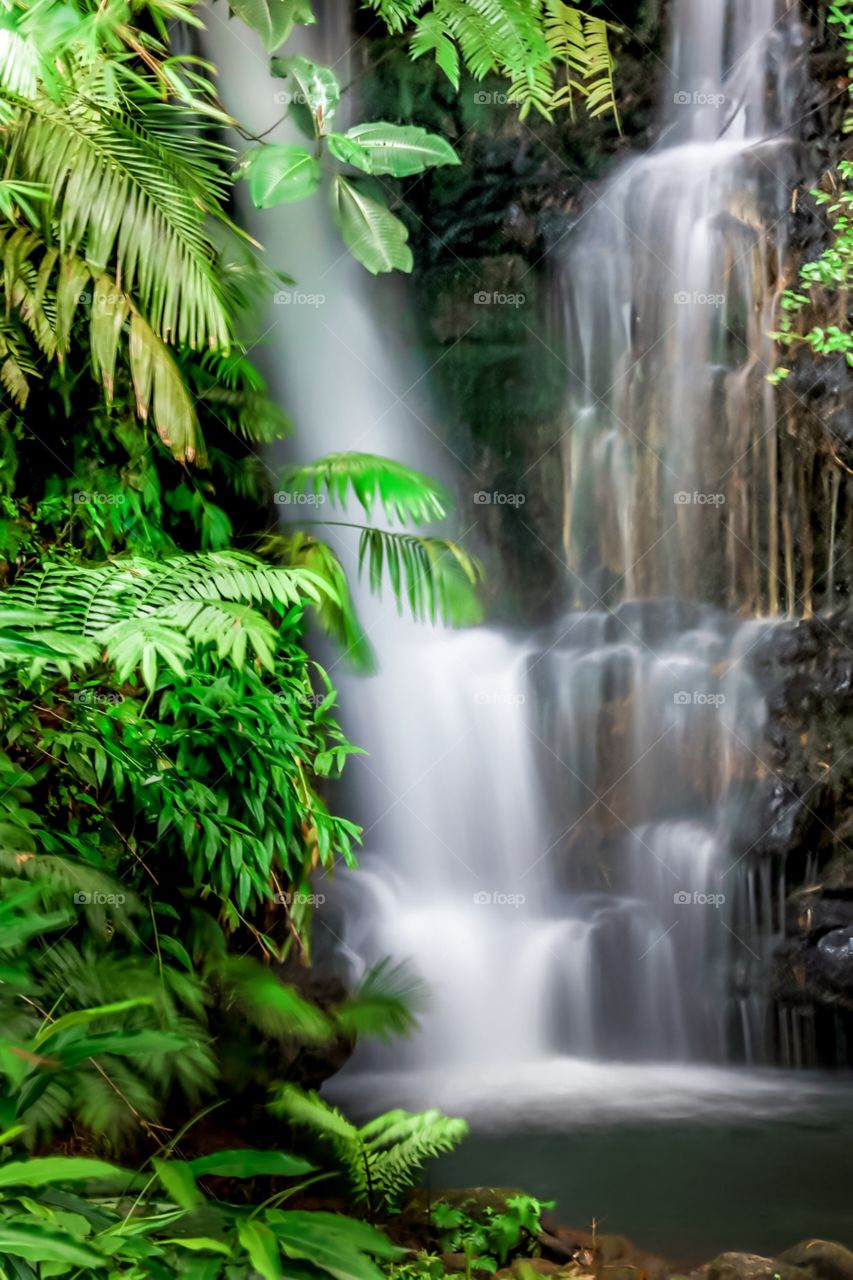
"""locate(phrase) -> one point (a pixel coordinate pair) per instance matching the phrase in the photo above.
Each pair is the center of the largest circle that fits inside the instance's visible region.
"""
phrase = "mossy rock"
(821, 1259)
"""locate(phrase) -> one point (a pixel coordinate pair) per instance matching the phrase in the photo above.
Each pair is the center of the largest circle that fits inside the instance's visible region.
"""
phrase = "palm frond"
(131, 193)
(402, 493)
(435, 577)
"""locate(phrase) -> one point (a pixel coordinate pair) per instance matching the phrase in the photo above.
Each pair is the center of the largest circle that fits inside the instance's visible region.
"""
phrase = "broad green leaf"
(273, 20)
(342, 1246)
(316, 92)
(279, 173)
(179, 1182)
(262, 1248)
(396, 150)
(370, 230)
(197, 1244)
(41, 1245)
(247, 1163)
(42, 1170)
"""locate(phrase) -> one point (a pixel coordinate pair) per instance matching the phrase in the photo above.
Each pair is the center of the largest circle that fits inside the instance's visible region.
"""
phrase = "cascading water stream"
(549, 819)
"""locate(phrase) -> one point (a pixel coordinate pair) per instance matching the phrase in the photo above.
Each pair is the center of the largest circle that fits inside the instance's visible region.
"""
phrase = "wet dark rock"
(781, 818)
(750, 1266)
(835, 953)
(821, 1259)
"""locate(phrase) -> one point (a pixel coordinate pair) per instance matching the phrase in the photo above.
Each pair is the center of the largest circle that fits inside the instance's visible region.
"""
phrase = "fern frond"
(383, 1157)
(434, 576)
(600, 92)
(404, 494)
(144, 613)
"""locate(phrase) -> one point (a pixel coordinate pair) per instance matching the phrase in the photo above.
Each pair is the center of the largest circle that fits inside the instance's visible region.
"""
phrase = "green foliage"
(494, 1236)
(396, 150)
(824, 283)
(532, 45)
(403, 494)
(279, 173)
(381, 1159)
(50, 1225)
(434, 577)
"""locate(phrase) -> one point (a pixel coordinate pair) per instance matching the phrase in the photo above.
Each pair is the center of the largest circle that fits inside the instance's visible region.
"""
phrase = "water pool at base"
(685, 1161)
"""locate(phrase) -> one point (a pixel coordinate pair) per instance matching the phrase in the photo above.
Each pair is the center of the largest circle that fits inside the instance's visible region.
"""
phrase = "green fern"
(525, 41)
(147, 612)
(382, 1158)
(402, 493)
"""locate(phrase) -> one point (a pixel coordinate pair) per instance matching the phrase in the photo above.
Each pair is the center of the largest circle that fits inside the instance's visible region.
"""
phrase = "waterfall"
(551, 820)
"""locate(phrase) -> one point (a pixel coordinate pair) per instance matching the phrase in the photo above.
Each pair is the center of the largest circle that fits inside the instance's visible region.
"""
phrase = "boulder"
(750, 1266)
(821, 1259)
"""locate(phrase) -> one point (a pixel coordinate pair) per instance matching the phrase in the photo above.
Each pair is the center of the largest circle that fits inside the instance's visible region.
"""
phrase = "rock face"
(800, 822)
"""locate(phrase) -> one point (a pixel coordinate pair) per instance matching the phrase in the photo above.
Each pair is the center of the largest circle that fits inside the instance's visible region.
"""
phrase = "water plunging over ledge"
(551, 821)
(554, 834)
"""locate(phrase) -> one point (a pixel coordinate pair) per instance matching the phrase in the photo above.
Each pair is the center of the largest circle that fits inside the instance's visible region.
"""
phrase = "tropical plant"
(529, 44)
(492, 1235)
(380, 1159)
(825, 281)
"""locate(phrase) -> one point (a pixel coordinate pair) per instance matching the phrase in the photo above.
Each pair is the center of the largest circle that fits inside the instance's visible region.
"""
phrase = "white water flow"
(549, 818)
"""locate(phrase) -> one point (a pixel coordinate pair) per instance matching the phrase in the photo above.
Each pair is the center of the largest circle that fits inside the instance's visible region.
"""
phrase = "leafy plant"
(495, 1235)
(380, 1159)
(824, 282)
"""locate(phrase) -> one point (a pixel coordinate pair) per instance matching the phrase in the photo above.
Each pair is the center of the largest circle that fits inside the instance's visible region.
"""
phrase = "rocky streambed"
(588, 1254)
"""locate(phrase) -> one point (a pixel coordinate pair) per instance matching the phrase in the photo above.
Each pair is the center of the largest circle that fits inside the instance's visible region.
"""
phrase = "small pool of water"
(685, 1161)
